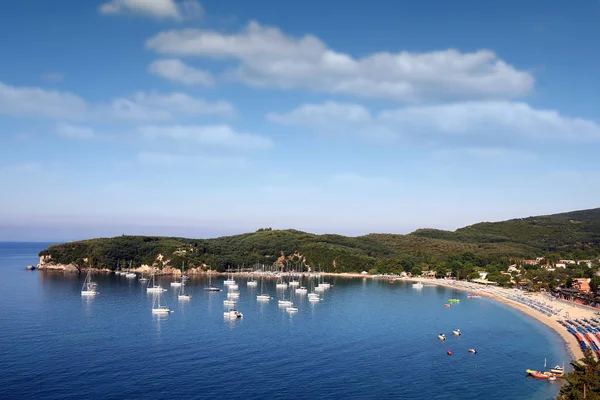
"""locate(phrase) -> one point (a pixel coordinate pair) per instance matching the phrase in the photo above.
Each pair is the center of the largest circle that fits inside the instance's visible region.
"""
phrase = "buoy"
(449, 352)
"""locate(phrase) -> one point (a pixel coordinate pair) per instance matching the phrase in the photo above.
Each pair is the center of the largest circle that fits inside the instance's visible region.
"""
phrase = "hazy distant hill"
(575, 234)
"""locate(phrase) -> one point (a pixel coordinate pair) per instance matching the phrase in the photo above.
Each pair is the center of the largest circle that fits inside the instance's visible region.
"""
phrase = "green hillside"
(574, 234)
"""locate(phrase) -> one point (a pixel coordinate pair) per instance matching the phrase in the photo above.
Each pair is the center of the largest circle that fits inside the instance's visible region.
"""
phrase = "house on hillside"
(588, 262)
(560, 265)
(513, 268)
(570, 262)
(530, 262)
(548, 267)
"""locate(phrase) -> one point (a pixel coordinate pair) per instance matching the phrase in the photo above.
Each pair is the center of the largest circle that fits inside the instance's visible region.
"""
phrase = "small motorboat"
(473, 351)
(233, 314)
(441, 336)
(456, 332)
(418, 285)
(447, 305)
(558, 370)
(537, 374)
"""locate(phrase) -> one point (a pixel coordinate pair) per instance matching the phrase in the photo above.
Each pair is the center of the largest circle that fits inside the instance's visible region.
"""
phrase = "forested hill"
(574, 234)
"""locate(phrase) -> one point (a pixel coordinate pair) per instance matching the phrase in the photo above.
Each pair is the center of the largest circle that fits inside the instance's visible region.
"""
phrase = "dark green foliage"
(584, 381)
(489, 246)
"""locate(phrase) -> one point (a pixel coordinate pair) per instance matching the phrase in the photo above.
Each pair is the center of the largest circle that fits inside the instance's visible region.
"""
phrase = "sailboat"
(232, 313)
(229, 280)
(313, 296)
(177, 283)
(142, 279)
(252, 282)
(290, 307)
(157, 308)
(130, 274)
(153, 287)
(210, 287)
(182, 294)
(281, 284)
(89, 287)
(263, 296)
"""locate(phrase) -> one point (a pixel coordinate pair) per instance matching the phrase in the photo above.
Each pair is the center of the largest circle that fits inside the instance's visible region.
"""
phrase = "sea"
(366, 339)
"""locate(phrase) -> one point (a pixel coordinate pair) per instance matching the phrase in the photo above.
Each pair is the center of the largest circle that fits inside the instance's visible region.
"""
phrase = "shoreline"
(493, 292)
(570, 342)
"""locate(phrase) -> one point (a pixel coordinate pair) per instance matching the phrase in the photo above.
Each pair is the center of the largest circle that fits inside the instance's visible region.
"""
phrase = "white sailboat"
(210, 287)
(281, 285)
(229, 280)
(143, 279)
(89, 287)
(231, 313)
(158, 308)
(182, 294)
(153, 287)
(290, 307)
(177, 283)
(263, 296)
(130, 274)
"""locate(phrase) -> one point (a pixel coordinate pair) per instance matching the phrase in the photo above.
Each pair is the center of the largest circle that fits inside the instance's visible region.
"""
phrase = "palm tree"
(584, 381)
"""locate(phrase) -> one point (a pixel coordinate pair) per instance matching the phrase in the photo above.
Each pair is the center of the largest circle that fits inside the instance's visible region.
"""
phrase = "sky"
(217, 117)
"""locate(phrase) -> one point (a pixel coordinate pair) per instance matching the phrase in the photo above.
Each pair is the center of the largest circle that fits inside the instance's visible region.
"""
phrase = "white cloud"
(159, 9)
(473, 123)
(222, 136)
(163, 159)
(492, 119)
(140, 107)
(177, 71)
(268, 57)
(74, 131)
(329, 115)
(33, 101)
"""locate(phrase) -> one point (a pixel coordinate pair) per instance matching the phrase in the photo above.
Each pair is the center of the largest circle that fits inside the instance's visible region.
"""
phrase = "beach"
(506, 296)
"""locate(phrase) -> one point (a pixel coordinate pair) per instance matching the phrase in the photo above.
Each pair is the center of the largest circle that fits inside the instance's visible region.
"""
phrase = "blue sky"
(220, 117)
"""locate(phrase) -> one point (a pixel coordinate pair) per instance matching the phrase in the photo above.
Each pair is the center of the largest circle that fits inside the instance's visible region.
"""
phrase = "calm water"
(366, 339)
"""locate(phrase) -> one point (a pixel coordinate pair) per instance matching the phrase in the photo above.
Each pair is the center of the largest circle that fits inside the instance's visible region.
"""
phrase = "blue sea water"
(366, 340)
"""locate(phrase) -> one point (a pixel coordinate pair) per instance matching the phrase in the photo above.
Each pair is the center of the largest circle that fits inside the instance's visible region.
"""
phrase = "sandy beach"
(506, 296)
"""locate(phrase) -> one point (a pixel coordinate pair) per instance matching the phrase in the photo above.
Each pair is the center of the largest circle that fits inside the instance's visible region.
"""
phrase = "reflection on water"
(365, 339)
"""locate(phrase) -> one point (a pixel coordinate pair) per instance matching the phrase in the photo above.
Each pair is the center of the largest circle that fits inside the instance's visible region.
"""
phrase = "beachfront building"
(482, 275)
(581, 284)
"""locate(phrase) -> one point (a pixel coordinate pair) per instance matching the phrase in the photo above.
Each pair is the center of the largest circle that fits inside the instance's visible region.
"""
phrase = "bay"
(366, 339)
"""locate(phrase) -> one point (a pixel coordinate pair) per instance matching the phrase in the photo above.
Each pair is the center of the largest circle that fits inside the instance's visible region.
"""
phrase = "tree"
(569, 283)
(595, 283)
(473, 275)
(584, 381)
(415, 271)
